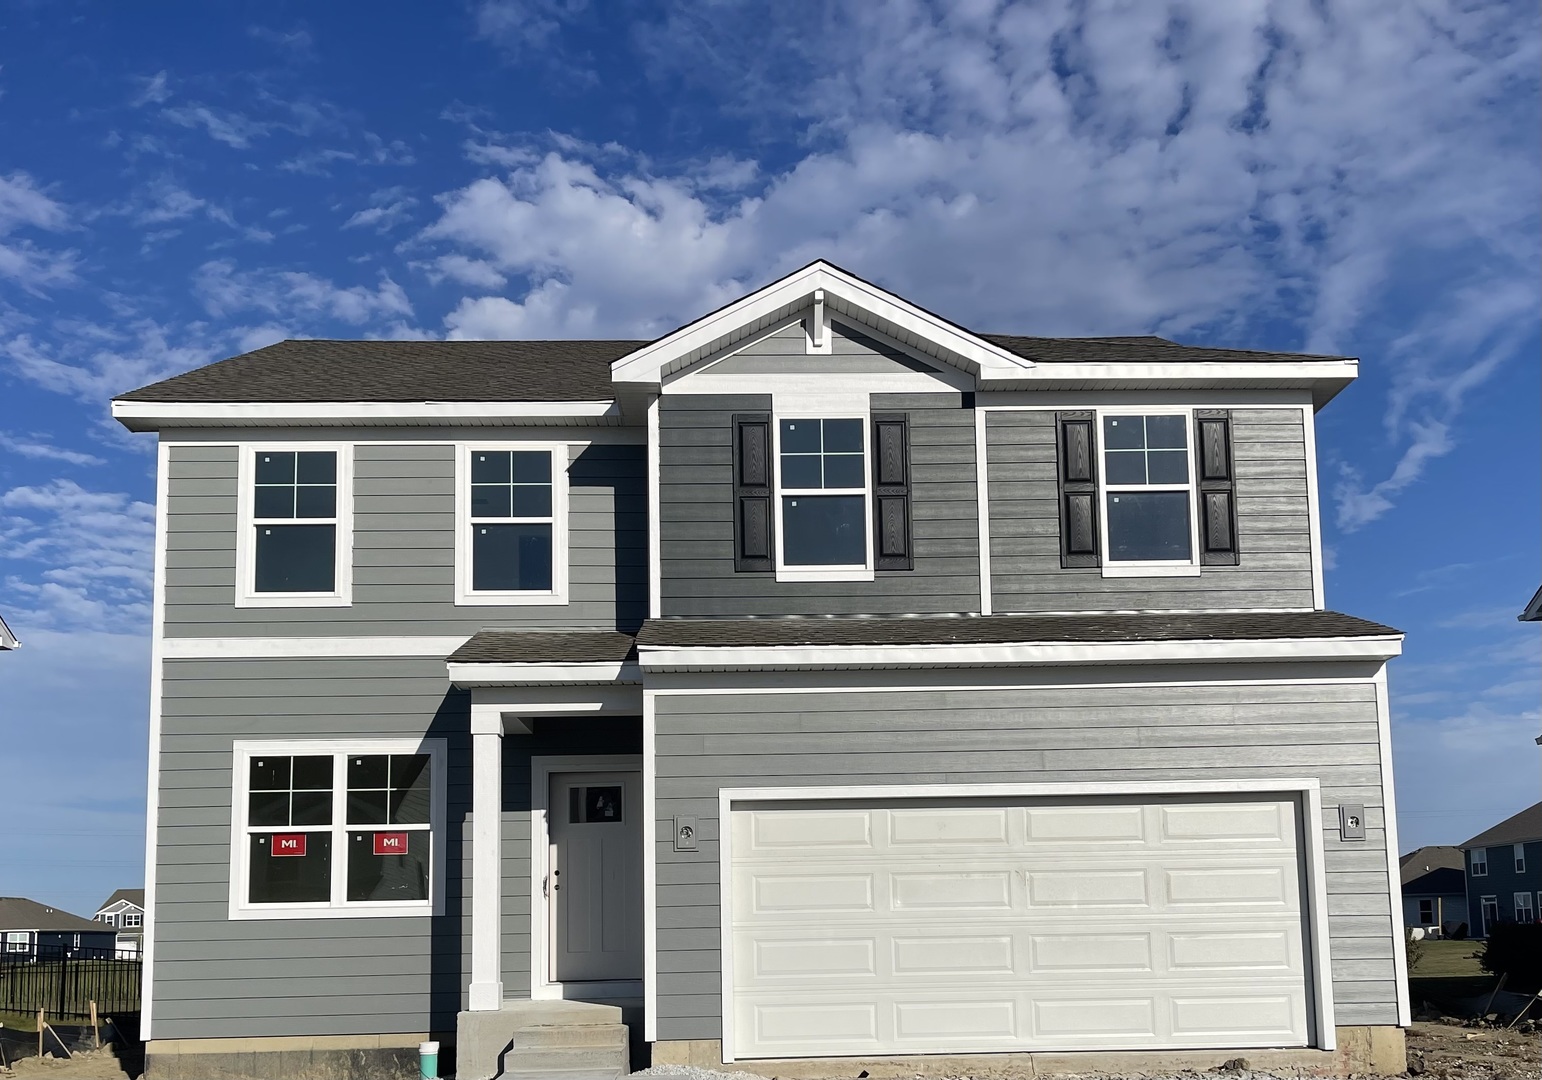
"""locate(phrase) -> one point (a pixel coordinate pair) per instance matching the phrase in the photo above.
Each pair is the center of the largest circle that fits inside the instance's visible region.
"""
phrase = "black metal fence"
(65, 987)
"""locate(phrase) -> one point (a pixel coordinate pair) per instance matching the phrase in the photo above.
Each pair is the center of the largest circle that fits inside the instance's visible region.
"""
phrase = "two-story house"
(125, 910)
(820, 680)
(1435, 889)
(1504, 871)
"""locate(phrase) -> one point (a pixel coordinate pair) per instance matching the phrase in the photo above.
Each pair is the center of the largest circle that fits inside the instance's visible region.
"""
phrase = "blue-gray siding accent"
(696, 518)
(1273, 525)
(1502, 882)
(785, 353)
(404, 547)
(218, 978)
(1141, 733)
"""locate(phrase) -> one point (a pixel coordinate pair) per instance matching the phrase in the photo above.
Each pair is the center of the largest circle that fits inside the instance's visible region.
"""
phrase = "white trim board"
(982, 490)
(153, 415)
(1306, 789)
(306, 648)
(655, 504)
(650, 868)
(542, 769)
(605, 673)
(1389, 825)
(672, 658)
(157, 684)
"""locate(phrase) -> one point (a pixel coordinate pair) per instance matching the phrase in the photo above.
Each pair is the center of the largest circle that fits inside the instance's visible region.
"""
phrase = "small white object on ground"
(693, 1072)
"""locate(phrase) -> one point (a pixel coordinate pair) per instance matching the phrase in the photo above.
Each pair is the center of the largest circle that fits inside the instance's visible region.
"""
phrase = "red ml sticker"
(390, 843)
(288, 844)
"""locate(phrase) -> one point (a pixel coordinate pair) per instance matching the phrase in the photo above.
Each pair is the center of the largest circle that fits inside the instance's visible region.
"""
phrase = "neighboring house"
(1533, 612)
(35, 931)
(7, 639)
(1435, 889)
(1504, 871)
(822, 679)
(125, 909)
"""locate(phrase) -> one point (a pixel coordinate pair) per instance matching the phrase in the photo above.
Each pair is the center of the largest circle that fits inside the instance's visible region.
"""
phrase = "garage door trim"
(1307, 790)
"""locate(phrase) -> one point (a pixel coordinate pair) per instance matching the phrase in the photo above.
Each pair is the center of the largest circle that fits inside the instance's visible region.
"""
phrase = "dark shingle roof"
(544, 647)
(1522, 828)
(133, 896)
(297, 371)
(409, 371)
(1005, 629)
(19, 913)
(1432, 861)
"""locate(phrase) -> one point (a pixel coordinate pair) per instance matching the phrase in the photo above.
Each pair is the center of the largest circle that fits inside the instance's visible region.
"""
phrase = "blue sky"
(183, 182)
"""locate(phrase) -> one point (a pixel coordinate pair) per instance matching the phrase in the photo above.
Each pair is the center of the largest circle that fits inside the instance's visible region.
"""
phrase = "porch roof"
(545, 647)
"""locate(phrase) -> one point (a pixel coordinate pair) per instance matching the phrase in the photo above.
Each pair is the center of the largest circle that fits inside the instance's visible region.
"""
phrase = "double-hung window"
(822, 498)
(1520, 858)
(1480, 862)
(338, 829)
(1524, 912)
(295, 542)
(1148, 494)
(1426, 913)
(511, 510)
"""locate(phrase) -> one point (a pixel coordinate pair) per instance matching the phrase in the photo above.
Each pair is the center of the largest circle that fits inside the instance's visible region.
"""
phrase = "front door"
(595, 882)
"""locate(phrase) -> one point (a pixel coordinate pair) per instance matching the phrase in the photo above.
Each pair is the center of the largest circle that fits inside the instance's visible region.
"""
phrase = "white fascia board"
(1325, 377)
(303, 648)
(469, 675)
(153, 415)
(648, 365)
(7, 639)
(664, 658)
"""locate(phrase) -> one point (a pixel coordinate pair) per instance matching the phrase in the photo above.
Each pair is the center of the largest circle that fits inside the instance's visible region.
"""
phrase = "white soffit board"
(1008, 924)
(858, 301)
(153, 415)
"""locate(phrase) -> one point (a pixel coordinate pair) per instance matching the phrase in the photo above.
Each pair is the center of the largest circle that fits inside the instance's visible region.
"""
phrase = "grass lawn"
(1448, 970)
(18, 1022)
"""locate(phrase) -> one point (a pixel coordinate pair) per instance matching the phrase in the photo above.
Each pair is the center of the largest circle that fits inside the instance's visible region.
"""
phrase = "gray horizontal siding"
(218, 978)
(696, 518)
(1273, 525)
(404, 547)
(214, 977)
(786, 353)
(1144, 733)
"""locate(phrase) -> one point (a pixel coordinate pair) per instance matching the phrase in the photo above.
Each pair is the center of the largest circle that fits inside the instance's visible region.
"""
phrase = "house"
(1435, 889)
(820, 680)
(125, 909)
(7, 639)
(33, 931)
(1533, 610)
(1504, 871)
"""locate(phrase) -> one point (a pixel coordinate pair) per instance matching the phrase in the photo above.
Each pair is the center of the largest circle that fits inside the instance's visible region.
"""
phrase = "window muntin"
(822, 492)
(1148, 494)
(1479, 862)
(294, 515)
(511, 507)
(1520, 858)
(131, 920)
(350, 830)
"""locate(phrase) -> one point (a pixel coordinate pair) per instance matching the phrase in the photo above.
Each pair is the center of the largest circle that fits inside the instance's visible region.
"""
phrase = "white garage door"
(950, 926)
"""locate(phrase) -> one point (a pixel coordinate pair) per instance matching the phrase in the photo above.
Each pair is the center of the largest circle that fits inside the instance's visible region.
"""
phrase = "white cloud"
(524, 24)
(95, 361)
(474, 272)
(152, 91)
(38, 448)
(226, 290)
(1239, 173)
(24, 205)
(227, 126)
(386, 210)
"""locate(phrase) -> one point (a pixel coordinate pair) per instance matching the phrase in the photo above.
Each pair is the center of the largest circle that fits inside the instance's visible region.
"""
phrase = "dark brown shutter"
(1216, 478)
(891, 492)
(1076, 441)
(753, 551)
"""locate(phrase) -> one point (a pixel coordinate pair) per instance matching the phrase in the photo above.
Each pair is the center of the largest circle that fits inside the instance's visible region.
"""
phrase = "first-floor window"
(1488, 907)
(1426, 913)
(341, 828)
(1524, 912)
(17, 941)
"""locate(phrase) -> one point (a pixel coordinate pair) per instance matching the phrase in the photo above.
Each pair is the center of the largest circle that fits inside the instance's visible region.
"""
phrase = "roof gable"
(830, 291)
(19, 913)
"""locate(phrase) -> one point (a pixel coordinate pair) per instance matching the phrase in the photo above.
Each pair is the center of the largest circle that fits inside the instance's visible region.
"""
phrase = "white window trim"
(18, 941)
(336, 907)
(558, 593)
(1520, 858)
(132, 921)
(853, 572)
(1483, 902)
(1520, 900)
(1156, 568)
(1479, 866)
(247, 595)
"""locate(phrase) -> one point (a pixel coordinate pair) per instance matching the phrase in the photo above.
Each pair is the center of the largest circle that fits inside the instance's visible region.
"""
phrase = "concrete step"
(541, 1062)
(529, 1014)
(575, 1036)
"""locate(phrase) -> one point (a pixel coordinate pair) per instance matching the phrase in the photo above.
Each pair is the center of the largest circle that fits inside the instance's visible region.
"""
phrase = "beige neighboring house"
(7, 639)
(125, 910)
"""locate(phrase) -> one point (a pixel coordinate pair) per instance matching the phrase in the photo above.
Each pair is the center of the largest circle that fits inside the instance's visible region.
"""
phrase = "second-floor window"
(1520, 858)
(512, 510)
(295, 536)
(131, 920)
(1479, 862)
(822, 488)
(1148, 490)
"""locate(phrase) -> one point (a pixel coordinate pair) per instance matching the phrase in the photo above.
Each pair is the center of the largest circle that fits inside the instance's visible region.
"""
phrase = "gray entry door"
(596, 877)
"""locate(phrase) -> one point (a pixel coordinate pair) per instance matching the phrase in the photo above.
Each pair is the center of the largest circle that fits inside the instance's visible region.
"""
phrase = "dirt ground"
(92, 1065)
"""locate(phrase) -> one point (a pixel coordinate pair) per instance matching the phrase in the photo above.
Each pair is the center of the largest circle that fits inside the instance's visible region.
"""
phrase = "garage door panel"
(960, 927)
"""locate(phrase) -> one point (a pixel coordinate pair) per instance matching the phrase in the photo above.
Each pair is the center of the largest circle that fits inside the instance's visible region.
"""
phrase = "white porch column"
(486, 993)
